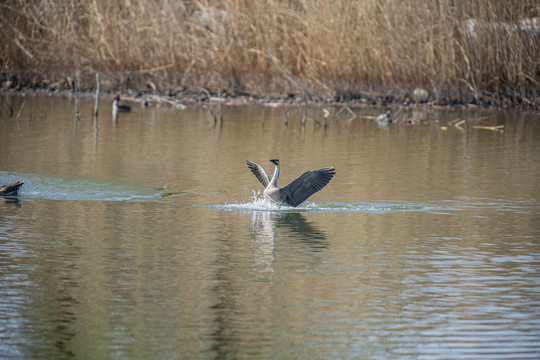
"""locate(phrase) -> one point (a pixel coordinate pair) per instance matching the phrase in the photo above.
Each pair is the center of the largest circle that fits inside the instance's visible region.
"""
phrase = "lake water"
(148, 238)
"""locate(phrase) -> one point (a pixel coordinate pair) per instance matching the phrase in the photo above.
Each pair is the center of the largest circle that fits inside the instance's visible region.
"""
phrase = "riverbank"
(145, 97)
(480, 53)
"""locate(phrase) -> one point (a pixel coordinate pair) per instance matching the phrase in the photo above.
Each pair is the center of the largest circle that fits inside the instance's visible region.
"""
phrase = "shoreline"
(158, 98)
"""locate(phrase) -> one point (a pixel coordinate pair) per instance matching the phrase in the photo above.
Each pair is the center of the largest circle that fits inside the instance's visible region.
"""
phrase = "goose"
(12, 189)
(119, 108)
(298, 190)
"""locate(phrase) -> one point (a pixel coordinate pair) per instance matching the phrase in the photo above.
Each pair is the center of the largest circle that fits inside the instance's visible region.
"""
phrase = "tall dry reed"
(454, 49)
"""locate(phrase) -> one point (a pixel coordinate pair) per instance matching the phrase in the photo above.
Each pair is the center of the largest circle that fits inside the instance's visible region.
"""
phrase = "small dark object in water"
(119, 108)
(12, 189)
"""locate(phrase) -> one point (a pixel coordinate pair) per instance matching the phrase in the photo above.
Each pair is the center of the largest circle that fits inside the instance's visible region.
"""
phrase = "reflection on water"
(267, 226)
(12, 200)
(425, 244)
(306, 232)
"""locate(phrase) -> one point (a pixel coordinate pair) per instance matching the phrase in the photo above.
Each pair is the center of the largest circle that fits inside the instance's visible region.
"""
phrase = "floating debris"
(499, 128)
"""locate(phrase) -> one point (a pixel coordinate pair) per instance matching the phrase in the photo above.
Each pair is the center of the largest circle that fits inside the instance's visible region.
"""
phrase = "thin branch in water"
(499, 128)
(262, 115)
(213, 115)
(350, 117)
(459, 123)
(304, 117)
(315, 121)
(98, 92)
(397, 112)
(220, 111)
(75, 86)
(20, 111)
(285, 111)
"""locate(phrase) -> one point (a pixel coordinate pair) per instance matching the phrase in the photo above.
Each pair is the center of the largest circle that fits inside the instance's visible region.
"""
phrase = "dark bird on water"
(298, 190)
(116, 108)
(12, 189)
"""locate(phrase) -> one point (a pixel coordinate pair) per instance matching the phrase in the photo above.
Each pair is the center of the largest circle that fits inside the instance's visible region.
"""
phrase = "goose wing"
(307, 184)
(259, 172)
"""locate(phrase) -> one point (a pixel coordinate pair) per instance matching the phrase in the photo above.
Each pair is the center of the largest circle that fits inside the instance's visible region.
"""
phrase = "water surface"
(147, 237)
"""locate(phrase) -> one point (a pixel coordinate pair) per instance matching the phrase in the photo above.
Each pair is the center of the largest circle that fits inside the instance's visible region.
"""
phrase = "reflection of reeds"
(331, 48)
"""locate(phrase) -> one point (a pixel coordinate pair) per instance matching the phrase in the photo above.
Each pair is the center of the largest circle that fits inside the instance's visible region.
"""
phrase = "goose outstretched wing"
(259, 172)
(307, 184)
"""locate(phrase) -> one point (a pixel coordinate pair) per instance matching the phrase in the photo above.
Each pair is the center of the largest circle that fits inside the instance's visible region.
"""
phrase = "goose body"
(298, 190)
(12, 189)
(116, 107)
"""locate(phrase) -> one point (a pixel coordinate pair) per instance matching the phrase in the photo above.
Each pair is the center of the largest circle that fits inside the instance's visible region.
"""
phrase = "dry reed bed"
(477, 51)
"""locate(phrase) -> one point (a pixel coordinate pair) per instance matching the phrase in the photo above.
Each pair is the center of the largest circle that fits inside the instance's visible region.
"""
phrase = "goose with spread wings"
(298, 190)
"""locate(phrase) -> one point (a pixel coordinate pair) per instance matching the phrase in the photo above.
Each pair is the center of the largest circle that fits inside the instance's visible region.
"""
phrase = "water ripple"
(56, 188)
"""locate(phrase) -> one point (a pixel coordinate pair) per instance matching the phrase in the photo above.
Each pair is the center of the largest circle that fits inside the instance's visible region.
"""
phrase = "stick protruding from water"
(98, 92)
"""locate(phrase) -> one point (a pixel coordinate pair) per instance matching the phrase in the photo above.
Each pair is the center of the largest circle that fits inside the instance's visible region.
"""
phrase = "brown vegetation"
(479, 51)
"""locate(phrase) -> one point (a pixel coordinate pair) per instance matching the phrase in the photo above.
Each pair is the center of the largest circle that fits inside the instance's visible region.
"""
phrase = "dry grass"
(479, 49)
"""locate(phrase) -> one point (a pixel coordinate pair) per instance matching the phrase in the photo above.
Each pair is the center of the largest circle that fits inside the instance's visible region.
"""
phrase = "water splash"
(258, 202)
(261, 203)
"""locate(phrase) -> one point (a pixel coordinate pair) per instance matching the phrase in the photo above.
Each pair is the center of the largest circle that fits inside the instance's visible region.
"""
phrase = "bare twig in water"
(213, 115)
(492, 128)
(209, 97)
(75, 87)
(20, 110)
(397, 112)
(220, 112)
(98, 92)
(263, 114)
(350, 117)
(285, 111)
(459, 123)
(315, 121)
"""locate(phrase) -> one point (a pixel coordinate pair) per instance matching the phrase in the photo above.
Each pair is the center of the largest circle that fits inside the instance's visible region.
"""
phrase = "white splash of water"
(257, 202)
